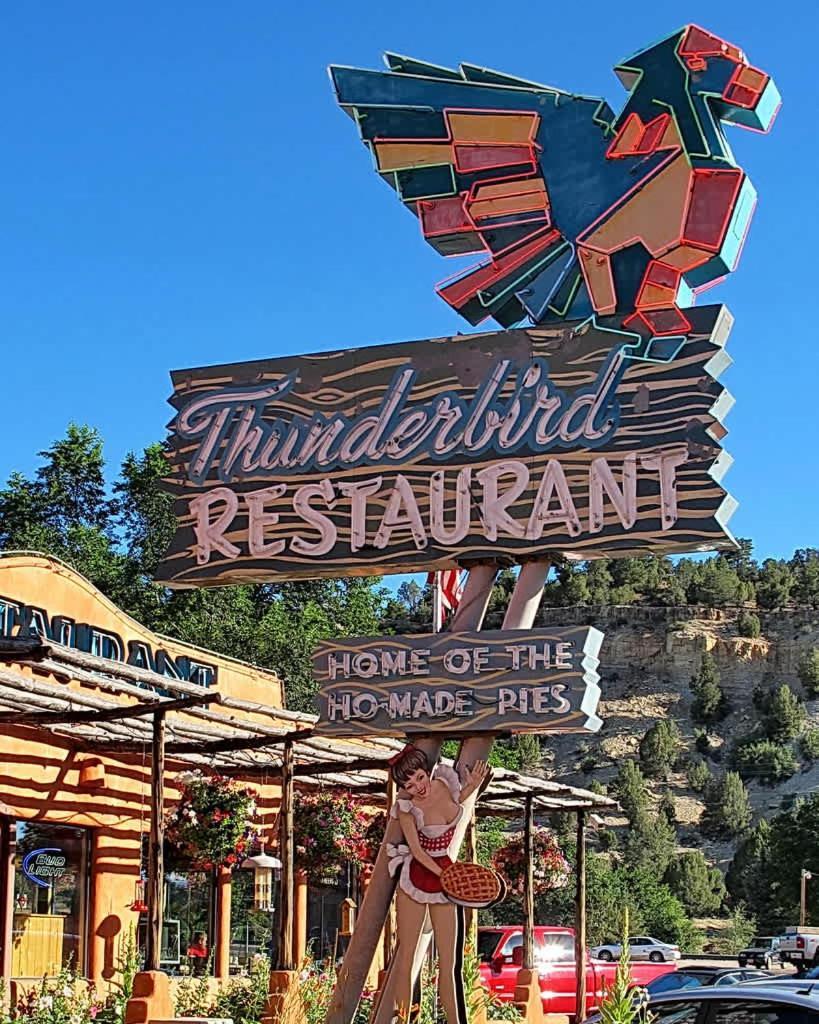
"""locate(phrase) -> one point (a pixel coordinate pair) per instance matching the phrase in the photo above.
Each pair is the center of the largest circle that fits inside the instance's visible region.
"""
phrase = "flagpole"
(437, 604)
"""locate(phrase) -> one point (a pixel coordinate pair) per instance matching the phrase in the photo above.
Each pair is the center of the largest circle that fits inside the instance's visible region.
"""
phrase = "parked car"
(699, 977)
(641, 947)
(763, 952)
(799, 946)
(500, 951)
(776, 1003)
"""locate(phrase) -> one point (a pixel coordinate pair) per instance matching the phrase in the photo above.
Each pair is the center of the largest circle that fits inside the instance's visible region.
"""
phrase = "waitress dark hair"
(407, 762)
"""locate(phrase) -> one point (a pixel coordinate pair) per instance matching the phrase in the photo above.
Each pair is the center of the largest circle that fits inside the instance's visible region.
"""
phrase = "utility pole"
(803, 900)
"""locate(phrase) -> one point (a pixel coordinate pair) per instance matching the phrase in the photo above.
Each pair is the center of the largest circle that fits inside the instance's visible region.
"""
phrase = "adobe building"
(75, 782)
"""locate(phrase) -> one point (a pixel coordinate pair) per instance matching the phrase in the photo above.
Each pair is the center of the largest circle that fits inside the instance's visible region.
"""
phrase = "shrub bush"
(631, 791)
(727, 807)
(668, 807)
(785, 717)
(699, 887)
(710, 704)
(764, 760)
(659, 748)
(698, 775)
(749, 625)
(809, 744)
(607, 839)
(808, 671)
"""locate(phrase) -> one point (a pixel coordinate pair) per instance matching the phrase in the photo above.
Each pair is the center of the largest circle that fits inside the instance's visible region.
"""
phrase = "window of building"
(190, 913)
(49, 926)
(252, 931)
(324, 901)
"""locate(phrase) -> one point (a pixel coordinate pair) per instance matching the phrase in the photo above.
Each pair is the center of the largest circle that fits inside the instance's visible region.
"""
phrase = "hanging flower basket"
(331, 830)
(550, 868)
(212, 824)
(373, 836)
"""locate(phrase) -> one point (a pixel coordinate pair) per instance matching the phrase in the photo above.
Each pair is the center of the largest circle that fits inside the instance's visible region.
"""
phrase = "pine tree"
(748, 624)
(529, 752)
(710, 704)
(805, 568)
(668, 807)
(773, 589)
(650, 845)
(786, 715)
(727, 806)
(660, 747)
(749, 876)
(808, 671)
(698, 775)
(598, 581)
(631, 790)
(693, 881)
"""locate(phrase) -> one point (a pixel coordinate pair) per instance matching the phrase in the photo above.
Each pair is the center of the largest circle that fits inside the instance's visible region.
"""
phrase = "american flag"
(447, 592)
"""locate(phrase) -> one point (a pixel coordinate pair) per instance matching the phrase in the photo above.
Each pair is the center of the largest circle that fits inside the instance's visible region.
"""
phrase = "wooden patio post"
(286, 897)
(527, 983)
(8, 848)
(221, 951)
(529, 886)
(580, 918)
(156, 865)
(151, 998)
(284, 1002)
(299, 918)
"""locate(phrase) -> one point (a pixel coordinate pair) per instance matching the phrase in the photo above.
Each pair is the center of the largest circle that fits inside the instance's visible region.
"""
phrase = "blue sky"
(179, 189)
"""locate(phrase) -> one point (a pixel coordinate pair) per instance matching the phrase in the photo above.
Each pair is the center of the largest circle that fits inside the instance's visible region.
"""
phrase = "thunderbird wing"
(461, 148)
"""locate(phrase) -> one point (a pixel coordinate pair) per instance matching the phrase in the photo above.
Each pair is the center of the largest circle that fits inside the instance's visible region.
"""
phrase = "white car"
(641, 947)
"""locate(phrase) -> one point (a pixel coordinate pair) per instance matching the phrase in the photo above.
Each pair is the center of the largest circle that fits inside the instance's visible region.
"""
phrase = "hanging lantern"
(264, 866)
(92, 773)
(139, 904)
(348, 908)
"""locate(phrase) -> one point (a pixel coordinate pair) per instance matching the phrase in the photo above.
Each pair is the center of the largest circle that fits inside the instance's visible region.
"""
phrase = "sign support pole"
(520, 614)
(580, 917)
(376, 904)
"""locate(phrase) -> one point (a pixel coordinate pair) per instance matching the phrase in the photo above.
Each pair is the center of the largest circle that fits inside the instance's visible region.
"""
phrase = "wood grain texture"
(494, 681)
(670, 409)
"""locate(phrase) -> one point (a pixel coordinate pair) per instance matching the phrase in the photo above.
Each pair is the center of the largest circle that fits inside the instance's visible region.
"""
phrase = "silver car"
(641, 947)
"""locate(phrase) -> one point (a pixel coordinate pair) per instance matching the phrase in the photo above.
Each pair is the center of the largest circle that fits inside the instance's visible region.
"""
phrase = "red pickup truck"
(500, 951)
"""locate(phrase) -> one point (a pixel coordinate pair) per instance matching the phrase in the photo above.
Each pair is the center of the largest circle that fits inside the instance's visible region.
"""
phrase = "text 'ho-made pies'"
(471, 885)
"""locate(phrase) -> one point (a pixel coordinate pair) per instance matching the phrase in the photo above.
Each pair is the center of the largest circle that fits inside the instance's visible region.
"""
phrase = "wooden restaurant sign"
(524, 680)
(558, 440)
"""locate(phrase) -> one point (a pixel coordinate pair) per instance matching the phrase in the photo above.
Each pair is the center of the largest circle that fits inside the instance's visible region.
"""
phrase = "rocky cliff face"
(648, 658)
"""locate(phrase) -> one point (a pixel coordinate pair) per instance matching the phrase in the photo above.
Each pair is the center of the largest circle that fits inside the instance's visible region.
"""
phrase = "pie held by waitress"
(470, 885)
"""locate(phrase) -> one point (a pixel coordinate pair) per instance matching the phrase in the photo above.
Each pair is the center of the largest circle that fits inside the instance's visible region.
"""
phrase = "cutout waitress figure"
(428, 820)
